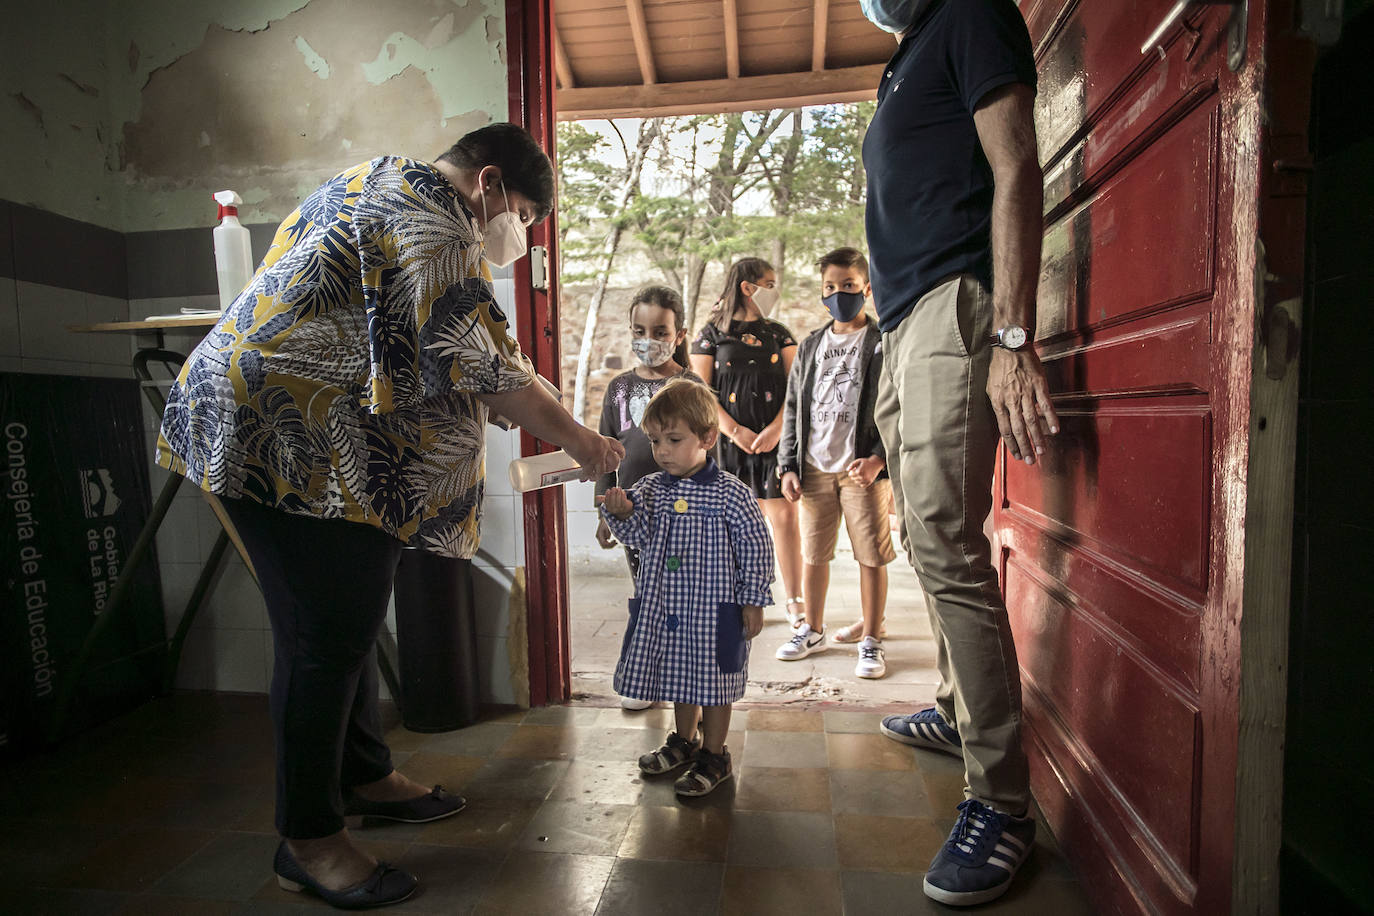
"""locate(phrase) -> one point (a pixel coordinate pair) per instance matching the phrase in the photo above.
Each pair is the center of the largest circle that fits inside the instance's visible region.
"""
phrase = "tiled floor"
(600, 585)
(169, 810)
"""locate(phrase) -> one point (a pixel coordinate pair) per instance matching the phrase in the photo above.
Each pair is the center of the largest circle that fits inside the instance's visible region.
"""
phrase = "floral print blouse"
(342, 382)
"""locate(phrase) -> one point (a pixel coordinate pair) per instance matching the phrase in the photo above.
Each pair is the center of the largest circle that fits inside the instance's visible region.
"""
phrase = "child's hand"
(753, 620)
(743, 437)
(767, 440)
(791, 486)
(617, 502)
(603, 535)
(864, 471)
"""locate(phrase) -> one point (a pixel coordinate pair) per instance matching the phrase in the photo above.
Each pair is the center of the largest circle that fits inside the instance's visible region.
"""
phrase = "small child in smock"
(705, 575)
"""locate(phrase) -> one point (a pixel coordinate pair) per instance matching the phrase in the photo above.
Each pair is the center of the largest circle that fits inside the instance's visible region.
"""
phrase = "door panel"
(1123, 554)
(1154, 530)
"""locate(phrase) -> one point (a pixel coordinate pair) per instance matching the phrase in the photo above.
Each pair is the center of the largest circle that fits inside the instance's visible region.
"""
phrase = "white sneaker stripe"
(1008, 838)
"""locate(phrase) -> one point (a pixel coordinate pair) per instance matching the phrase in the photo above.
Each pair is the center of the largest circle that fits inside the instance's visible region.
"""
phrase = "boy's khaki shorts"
(825, 497)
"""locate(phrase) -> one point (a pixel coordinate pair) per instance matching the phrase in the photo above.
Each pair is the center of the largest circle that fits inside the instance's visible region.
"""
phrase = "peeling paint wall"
(130, 114)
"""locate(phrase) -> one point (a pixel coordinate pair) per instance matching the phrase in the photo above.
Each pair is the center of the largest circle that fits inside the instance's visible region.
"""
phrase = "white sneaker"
(632, 703)
(871, 664)
(804, 641)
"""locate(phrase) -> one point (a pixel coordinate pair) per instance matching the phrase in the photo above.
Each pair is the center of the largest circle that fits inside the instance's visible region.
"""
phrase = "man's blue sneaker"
(925, 729)
(981, 856)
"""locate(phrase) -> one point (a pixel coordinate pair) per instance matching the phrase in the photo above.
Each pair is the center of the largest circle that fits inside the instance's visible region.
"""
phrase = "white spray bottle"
(233, 250)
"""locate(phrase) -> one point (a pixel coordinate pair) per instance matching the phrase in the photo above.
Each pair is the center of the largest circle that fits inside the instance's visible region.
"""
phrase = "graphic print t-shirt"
(835, 401)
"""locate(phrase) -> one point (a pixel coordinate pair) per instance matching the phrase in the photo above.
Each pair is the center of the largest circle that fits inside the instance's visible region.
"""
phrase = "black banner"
(74, 488)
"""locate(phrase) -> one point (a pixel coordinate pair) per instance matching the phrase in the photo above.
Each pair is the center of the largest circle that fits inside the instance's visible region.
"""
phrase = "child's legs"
(685, 718)
(865, 518)
(873, 597)
(715, 724)
(782, 517)
(820, 528)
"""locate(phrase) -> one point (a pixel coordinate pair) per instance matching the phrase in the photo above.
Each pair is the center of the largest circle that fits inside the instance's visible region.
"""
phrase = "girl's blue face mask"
(844, 306)
(893, 15)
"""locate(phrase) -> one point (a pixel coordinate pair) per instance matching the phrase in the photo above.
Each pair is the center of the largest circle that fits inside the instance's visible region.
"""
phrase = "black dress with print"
(750, 380)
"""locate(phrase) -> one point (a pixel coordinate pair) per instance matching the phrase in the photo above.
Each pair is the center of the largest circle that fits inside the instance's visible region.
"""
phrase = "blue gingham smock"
(704, 553)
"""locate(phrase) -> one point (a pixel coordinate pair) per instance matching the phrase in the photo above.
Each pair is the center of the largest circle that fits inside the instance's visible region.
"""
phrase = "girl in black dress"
(745, 357)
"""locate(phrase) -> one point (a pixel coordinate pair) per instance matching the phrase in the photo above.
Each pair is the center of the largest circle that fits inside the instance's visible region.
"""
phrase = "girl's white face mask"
(766, 299)
(503, 235)
(652, 353)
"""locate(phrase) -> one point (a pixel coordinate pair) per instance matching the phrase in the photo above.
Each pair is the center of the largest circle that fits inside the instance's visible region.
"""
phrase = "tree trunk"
(634, 167)
(782, 194)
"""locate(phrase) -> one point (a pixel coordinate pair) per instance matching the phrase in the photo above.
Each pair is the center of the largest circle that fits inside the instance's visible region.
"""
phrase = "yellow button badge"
(680, 506)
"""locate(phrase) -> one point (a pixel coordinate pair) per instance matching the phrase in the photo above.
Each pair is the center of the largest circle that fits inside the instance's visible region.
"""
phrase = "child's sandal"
(795, 618)
(708, 771)
(675, 753)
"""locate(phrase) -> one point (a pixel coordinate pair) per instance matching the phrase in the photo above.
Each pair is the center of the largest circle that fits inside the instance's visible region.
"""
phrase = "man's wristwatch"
(1012, 337)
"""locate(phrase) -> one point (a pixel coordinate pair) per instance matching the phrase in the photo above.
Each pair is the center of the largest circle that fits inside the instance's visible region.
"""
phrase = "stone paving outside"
(599, 585)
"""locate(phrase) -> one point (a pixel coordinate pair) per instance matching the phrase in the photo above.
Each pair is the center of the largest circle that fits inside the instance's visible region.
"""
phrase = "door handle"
(1235, 42)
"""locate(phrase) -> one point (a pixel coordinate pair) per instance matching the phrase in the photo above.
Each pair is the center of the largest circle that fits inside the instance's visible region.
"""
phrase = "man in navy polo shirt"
(953, 224)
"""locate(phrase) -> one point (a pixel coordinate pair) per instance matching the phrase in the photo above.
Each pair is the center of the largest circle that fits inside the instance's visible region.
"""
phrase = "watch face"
(1013, 338)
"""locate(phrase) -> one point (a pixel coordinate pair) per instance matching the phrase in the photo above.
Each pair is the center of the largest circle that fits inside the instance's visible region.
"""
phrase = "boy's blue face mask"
(844, 306)
(893, 15)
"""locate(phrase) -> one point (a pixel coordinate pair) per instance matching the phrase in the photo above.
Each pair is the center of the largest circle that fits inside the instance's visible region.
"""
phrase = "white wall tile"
(232, 660)
(491, 601)
(109, 348)
(500, 523)
(178, 538)
(9, 318)
(44, 314)
(493, 662)
(235, 602)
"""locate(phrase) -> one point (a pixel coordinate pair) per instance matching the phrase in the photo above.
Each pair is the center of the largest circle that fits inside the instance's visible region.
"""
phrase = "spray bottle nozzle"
(229, 202)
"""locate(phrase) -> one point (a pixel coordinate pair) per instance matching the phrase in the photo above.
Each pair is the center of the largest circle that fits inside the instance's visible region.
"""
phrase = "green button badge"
(673, 564)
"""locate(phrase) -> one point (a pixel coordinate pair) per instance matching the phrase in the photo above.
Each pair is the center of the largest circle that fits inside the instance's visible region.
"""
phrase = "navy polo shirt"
(929, 184)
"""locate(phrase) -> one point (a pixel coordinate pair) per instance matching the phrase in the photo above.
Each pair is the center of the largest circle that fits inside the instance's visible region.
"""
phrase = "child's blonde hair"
(683, 399)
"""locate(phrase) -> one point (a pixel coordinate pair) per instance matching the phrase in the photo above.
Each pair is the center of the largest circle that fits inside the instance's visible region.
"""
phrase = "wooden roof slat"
(820, 22)
(644, 53)
(749, 93)
(561, 65)
(731, 39)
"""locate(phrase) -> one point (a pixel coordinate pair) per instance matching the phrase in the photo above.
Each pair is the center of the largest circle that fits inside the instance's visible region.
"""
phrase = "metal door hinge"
(539, 267)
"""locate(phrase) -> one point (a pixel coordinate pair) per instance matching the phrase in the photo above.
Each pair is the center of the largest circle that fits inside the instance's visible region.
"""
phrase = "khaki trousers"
(941, 437)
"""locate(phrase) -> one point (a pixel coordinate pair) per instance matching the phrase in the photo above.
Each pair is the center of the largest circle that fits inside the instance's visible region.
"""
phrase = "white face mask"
(652, 353)
(766, 299)
(503, 237)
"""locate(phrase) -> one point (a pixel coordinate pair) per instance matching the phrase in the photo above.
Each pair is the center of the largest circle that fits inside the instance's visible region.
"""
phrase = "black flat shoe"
(435, 806)
(386, 885)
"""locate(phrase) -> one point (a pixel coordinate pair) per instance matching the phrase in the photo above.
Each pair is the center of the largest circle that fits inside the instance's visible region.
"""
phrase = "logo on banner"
(98, 497)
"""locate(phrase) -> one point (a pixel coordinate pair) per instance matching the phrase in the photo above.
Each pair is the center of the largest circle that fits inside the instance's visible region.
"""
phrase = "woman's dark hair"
(745, 270)
(524, 167)
(665, 298)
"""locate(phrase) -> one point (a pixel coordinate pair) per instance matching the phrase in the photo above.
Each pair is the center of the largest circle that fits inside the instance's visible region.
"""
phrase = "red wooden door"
(1125, 557)
(530, 86)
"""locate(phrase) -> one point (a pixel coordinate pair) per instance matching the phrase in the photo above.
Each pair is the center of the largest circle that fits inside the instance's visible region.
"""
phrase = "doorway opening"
(672, 201)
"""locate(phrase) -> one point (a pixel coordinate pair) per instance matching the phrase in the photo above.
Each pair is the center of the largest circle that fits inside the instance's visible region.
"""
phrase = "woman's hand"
(617, 502)
(743, 437)
(791, 486)
(767, 440)
(864, 471)
(604, 536)
(596, 453)
(753, 620)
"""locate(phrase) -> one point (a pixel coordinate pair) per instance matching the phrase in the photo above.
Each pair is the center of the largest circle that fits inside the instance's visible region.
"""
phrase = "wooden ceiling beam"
(561, 65)
(644, 52)
(731, 23)
(749, 93)
(820, 22)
